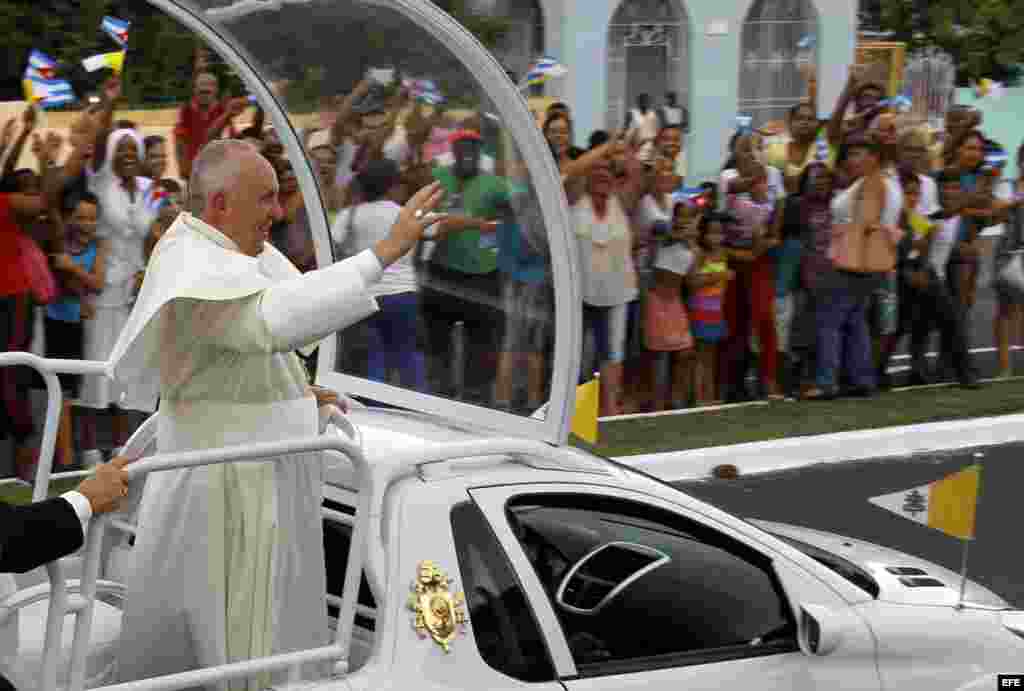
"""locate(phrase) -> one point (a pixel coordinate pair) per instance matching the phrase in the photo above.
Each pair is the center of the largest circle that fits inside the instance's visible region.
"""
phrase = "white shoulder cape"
(192, 261)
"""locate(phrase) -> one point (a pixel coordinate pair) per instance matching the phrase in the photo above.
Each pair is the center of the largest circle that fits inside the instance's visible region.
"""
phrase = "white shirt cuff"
(368, 265)
(81, 505)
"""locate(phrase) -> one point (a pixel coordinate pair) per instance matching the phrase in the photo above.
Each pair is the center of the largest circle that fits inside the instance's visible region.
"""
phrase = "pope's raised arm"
(307, 308)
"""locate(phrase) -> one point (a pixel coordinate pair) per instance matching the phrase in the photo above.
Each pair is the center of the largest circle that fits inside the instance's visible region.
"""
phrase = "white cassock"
(228, 559)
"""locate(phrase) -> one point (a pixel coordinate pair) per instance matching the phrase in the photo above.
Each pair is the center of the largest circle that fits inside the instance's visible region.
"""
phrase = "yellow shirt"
(778, 155)
(921, 226)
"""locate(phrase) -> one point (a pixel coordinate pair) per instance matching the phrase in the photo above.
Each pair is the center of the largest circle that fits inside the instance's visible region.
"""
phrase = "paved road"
(835, 498)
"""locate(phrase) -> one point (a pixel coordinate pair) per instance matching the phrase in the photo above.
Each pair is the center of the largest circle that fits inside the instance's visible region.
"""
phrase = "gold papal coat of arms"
(439, 612)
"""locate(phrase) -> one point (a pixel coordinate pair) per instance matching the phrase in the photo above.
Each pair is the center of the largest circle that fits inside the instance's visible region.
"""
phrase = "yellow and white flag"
(949, 504)
(114, 61)
(584, 419)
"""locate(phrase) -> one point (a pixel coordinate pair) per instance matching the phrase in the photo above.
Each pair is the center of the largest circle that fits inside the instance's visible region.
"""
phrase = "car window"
(635, 587)
(501, 621)
(337, 540)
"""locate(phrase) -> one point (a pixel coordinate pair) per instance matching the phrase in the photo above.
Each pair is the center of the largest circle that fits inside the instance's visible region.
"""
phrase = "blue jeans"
(392, 341)
(842, 325)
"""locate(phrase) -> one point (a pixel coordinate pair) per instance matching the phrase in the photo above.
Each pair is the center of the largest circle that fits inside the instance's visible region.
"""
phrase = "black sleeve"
(36, 534)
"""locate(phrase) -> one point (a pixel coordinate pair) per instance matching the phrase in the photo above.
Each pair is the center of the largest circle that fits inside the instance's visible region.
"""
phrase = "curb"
(788, 454)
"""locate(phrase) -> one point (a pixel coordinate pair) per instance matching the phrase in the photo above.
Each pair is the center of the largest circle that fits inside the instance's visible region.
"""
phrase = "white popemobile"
(468, 548)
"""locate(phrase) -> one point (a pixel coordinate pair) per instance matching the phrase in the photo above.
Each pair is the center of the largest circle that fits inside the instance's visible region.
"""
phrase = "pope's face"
(250, 205)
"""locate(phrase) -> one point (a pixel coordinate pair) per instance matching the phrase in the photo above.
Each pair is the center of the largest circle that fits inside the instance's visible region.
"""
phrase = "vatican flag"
(114, 61)
(584, 420)
(949, 504)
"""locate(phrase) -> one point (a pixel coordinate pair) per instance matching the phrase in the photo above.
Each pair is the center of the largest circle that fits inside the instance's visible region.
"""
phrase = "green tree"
(489, 30)
(985, 37)
(158, 68)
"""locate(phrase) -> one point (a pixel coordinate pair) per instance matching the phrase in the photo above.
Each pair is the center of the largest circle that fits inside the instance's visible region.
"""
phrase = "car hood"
(899, 577)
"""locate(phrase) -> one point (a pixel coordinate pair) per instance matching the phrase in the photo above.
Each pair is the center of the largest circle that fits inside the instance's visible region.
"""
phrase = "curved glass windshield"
(385, 99)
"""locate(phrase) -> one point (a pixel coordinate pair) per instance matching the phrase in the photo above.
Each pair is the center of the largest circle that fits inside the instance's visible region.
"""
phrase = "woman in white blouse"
(600, 219)
(126, 211)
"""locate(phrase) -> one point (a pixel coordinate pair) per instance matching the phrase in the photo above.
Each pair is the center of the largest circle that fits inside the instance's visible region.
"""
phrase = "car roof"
(411, 440)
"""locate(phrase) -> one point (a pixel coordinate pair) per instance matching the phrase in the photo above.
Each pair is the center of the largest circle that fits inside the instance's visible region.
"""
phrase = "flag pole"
(967, 540)
(963, 573)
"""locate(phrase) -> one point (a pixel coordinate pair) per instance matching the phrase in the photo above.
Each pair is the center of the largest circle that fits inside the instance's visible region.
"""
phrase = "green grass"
(795, 419)
(22, 494)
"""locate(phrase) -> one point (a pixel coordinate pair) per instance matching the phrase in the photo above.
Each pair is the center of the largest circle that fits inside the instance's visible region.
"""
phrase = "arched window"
(774, 43)
(647, 50)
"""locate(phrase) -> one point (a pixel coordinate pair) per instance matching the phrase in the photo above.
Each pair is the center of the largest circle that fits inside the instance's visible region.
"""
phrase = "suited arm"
(33, 535)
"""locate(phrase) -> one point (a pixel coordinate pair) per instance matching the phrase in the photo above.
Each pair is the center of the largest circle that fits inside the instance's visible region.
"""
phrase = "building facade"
(721, 57)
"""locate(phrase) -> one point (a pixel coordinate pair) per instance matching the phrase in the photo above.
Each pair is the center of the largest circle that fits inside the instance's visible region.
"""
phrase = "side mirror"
(820, 630)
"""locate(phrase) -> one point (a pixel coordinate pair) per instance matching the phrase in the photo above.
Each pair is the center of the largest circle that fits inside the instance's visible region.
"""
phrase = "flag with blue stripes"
(544, 69)
(425, 90)
(155, 197)
(41, 66)
(807, 42)
(48, 93)
(117, 29)
(687, 195)
(901, 103)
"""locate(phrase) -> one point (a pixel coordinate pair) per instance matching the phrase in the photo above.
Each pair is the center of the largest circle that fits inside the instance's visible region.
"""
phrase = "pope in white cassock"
(228, 559)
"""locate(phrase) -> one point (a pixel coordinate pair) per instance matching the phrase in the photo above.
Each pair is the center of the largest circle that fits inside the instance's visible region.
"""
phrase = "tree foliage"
(985, 37)
(161, 51)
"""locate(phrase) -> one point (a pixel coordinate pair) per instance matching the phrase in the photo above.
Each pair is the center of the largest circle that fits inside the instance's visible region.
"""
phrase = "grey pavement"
(834, 498)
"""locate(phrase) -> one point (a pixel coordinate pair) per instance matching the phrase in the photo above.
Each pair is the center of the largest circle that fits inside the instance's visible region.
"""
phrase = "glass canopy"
(480, 325)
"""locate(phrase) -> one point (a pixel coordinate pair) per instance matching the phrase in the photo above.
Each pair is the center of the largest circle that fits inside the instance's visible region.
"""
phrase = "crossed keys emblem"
(438, 612)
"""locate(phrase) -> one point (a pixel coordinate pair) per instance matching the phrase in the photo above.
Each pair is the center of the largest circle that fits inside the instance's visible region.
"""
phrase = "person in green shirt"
(460, 281)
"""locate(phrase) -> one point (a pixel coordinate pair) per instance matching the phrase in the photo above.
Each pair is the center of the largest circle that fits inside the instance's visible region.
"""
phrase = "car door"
(637, 592)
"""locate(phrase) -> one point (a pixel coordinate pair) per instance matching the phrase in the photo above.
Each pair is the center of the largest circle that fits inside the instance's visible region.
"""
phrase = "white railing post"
(58, 590)
(83, 618)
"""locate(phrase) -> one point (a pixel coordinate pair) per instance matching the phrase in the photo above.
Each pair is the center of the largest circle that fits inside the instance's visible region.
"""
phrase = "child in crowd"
(707, 317)
(81, 270)
(169, 206)
(749, 305)
(666, 326)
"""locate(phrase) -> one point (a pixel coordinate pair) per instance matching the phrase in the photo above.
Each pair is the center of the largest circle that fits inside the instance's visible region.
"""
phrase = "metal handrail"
(246, 453)
(338, 652)
(48, 370)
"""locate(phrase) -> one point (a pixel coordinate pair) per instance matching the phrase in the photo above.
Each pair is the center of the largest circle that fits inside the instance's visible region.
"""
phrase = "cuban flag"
(691, 196)
(544, 69)
(155, 197)
(424, 90)
(41, 66)
(901, 103)
(996, 157)
(117, 29)
(48, 93)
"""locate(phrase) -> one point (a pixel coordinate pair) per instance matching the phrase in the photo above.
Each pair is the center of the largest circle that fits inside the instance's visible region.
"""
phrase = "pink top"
(749, 215)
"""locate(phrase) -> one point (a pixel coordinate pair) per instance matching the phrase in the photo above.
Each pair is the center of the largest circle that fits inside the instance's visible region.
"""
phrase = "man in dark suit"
(39, 533)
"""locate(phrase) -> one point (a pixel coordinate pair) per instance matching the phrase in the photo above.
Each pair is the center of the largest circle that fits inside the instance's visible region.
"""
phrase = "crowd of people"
(818, 248)
(822, 244)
